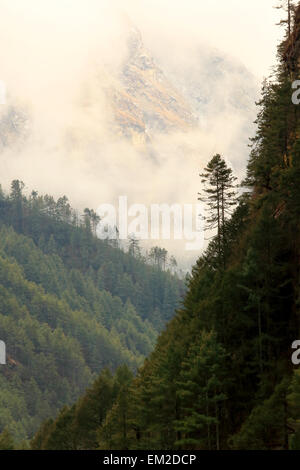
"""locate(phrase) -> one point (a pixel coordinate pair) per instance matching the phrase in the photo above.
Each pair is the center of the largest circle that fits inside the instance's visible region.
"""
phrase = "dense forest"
(221, 375)
(70, 305)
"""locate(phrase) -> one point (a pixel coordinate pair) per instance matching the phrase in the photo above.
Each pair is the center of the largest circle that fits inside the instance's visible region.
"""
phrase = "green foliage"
(201, 388)
(220, 196)
(293, 400)
(114, 430)
(266, 426)
(70, 305)
(78, 427)
(6, 441)
(221, 375)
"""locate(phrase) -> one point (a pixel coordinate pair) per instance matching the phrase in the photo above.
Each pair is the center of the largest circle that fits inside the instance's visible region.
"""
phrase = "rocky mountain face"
(142, 100)
(146, 101)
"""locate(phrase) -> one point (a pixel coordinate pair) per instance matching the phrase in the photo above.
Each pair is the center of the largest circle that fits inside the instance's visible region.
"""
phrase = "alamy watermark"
(156, 222)
(2, 353)
(296, 354)
(296, 94)
(296, 344)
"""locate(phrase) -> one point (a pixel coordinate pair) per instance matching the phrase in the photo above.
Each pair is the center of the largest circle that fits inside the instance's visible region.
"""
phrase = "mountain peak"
(145, 100)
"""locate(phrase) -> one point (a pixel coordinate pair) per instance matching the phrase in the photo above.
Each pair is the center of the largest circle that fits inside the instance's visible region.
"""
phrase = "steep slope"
(148, 95)
(221, 375)
(141, 99)
(70, 305)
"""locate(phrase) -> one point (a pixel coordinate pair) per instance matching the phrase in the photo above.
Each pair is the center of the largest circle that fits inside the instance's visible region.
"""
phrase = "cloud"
(61, 56)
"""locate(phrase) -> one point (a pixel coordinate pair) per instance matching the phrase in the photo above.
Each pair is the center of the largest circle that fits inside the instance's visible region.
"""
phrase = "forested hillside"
(221, 374)
(70, 305)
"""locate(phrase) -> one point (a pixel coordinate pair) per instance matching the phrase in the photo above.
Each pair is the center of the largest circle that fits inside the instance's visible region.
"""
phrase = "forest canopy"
(221, 375)
(70, 305)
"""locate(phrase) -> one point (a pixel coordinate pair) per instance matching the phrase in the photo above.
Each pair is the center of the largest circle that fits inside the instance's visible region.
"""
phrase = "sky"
(240, 28)
(244, 29)
(50, 51)
(40, 36)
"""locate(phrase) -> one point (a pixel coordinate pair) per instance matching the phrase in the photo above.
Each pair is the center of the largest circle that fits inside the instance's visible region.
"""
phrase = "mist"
(58, 60)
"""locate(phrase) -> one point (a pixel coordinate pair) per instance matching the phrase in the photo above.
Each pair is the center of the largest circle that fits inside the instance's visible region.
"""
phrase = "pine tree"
(158, 256)
(290, 7)
(6, 441)
(220, 196)
(92, 409)
(114, 432)
(134, 246)
(201, 388)
(17, 198)
(293, 399)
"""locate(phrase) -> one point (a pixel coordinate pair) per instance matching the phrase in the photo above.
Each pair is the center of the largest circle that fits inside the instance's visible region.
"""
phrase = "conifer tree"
(220, 196)
(17, 197)
(201, 387)
(6, 440)
(134, 246)
(290, 7)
